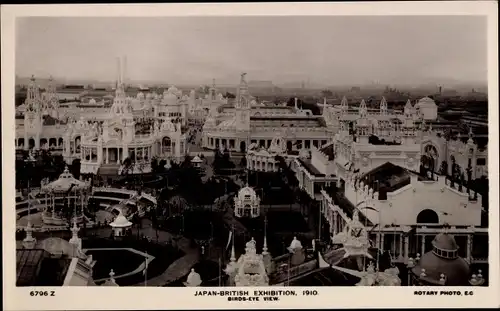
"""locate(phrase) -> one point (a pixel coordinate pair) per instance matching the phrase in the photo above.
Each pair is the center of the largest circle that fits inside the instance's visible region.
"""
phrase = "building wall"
(403, 206)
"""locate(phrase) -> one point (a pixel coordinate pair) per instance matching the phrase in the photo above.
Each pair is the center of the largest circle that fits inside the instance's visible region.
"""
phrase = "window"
(254, 211)
(481, 161)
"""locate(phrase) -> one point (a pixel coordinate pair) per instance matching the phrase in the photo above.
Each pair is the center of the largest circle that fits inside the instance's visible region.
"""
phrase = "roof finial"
(264, 248)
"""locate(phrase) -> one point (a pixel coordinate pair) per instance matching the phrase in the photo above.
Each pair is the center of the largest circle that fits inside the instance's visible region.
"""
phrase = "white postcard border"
(127, 298)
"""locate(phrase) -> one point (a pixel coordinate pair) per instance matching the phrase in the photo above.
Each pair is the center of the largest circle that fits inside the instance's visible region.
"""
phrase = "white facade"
(247, 203)
(138, 128)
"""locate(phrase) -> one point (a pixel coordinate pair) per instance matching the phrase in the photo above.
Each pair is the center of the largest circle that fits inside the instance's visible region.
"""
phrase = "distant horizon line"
(436, 82)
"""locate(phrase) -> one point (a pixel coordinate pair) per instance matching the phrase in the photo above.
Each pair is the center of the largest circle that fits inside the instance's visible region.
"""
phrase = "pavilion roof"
(64, 183)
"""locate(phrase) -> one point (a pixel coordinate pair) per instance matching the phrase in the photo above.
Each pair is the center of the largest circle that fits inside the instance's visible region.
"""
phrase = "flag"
(229, 239)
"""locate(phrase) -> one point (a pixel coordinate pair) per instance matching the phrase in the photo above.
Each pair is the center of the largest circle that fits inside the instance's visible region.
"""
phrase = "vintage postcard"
(232, 156)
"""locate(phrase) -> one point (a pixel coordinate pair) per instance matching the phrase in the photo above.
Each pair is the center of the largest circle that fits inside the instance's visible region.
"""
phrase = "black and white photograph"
(252, 151)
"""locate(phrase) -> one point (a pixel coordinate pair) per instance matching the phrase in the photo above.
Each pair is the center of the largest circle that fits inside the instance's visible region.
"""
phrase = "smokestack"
(124, 76)
(118, 72)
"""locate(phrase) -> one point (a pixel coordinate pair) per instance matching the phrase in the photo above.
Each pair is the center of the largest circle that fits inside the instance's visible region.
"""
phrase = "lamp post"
(410, 265)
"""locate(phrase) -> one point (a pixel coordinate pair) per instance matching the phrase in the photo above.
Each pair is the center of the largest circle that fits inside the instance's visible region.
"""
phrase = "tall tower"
(408, 128)
(124, 76)
(243, 105)
(363, 126)
(32, 116)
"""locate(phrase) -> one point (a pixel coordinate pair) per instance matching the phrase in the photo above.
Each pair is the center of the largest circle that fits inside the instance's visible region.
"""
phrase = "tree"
(154, 165)
(326, 93)
(444, 168)
(243, 161)
(75, 168)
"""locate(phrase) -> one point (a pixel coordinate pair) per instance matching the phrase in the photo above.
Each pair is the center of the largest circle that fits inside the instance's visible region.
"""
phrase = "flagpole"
(146, 271)
(220, 275)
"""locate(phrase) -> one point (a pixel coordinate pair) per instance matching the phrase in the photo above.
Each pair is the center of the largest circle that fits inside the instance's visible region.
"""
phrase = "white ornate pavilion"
(65, 198)
(247, 203)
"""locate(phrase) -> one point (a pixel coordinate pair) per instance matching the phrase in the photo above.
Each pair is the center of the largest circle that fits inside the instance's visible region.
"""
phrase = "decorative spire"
(29, 241)
(344, 103)
(75, 240)
(470, 141)
(233, 253)
(264, 248)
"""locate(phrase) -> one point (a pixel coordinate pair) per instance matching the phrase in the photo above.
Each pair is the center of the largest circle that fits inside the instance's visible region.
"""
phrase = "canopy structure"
(121, 222)
(65, 183)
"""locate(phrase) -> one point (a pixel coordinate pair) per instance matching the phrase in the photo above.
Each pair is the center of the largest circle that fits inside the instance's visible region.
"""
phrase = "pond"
(120, 260)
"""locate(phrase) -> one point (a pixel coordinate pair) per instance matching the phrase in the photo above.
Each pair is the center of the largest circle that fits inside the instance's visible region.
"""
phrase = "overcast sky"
(327, 50)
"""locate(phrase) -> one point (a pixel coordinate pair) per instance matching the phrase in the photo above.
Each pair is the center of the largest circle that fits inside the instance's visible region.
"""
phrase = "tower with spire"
(33, 120)
(408, 128)
(242, 105)
(363, 126)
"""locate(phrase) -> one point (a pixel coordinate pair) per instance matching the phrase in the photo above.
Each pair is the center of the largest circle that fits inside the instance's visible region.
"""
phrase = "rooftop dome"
(445, 242)
(443, 261)
(172, 89)
(247, 191)
(426, 102)
(169, 98)
(456, 271)
(295, 244)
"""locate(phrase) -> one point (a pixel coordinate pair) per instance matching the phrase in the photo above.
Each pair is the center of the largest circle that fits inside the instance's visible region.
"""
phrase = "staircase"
(109, 169)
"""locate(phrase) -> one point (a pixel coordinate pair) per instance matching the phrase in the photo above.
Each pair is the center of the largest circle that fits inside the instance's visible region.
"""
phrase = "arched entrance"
(243, 146)
(289, 145)
(247, 211)
(166, 143)
(427, 216)
(77, 144)
(31, 143)
(52, 142)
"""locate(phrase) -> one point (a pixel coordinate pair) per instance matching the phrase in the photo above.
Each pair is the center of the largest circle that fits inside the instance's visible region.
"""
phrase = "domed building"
(247, 203)
(427, 108)
(442, 265)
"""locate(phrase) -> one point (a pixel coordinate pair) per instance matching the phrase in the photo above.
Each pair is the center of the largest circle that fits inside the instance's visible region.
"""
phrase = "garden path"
(178, 268)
